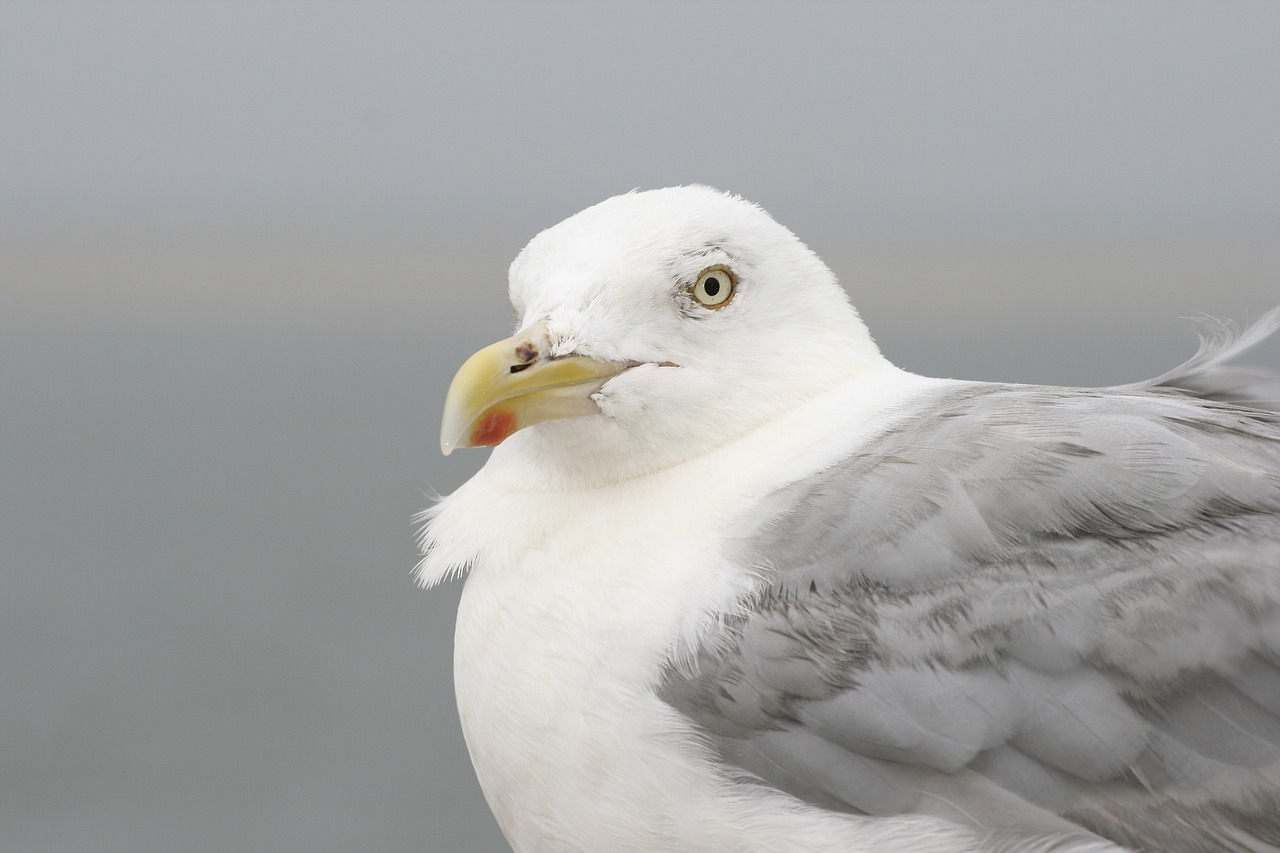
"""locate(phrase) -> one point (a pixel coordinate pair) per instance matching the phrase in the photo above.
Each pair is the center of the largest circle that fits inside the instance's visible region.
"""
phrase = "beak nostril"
(527, 352)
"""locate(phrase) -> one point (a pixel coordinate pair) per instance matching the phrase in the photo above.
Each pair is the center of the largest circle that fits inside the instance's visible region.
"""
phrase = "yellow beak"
(516, 383)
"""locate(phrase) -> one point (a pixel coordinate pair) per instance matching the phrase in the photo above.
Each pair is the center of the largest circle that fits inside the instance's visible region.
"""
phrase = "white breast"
(576, 601)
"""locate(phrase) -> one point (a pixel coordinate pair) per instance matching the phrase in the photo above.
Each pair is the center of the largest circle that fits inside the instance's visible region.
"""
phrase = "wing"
(1208, 375)
(1042, 613)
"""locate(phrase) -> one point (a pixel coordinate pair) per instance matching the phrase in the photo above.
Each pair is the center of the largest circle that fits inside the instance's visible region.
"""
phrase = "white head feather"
(613, 282)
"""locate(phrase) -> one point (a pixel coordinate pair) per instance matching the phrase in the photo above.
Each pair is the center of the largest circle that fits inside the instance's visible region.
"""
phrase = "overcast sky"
(900, 118)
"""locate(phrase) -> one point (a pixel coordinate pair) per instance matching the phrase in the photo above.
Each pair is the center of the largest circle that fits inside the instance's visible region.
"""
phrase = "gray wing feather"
(1207, 374)
(1035, 611)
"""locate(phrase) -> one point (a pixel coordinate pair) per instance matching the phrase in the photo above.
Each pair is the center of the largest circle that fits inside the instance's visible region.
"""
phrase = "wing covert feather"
(1032, 610)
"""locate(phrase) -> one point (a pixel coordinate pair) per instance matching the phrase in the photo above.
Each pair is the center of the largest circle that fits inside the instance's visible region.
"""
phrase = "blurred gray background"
(244, 245)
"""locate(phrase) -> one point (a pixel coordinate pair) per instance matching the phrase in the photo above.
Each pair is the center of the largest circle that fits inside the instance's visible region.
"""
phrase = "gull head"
(654, 327)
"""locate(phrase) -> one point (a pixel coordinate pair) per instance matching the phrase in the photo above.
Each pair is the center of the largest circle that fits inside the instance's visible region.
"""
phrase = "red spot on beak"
(494, 426)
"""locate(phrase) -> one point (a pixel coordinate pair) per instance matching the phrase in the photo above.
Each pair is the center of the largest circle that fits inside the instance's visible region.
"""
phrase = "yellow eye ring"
(714, 287)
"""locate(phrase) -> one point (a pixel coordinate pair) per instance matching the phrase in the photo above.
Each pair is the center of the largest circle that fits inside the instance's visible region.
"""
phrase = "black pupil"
(712, 286)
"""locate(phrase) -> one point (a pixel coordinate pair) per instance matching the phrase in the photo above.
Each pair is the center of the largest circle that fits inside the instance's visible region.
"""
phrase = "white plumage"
(742, 584)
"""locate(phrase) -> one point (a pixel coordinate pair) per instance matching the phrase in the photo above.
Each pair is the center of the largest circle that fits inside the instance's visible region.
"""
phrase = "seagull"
(735, 582)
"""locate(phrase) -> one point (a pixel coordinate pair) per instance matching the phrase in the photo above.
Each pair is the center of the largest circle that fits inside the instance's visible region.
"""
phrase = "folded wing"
(1043, 613)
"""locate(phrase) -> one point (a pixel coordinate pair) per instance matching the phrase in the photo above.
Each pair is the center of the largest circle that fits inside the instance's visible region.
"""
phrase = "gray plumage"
(1048, 613)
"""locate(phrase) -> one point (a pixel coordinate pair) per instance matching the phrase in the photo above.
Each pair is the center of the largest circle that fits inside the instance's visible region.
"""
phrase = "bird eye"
(714, 287)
